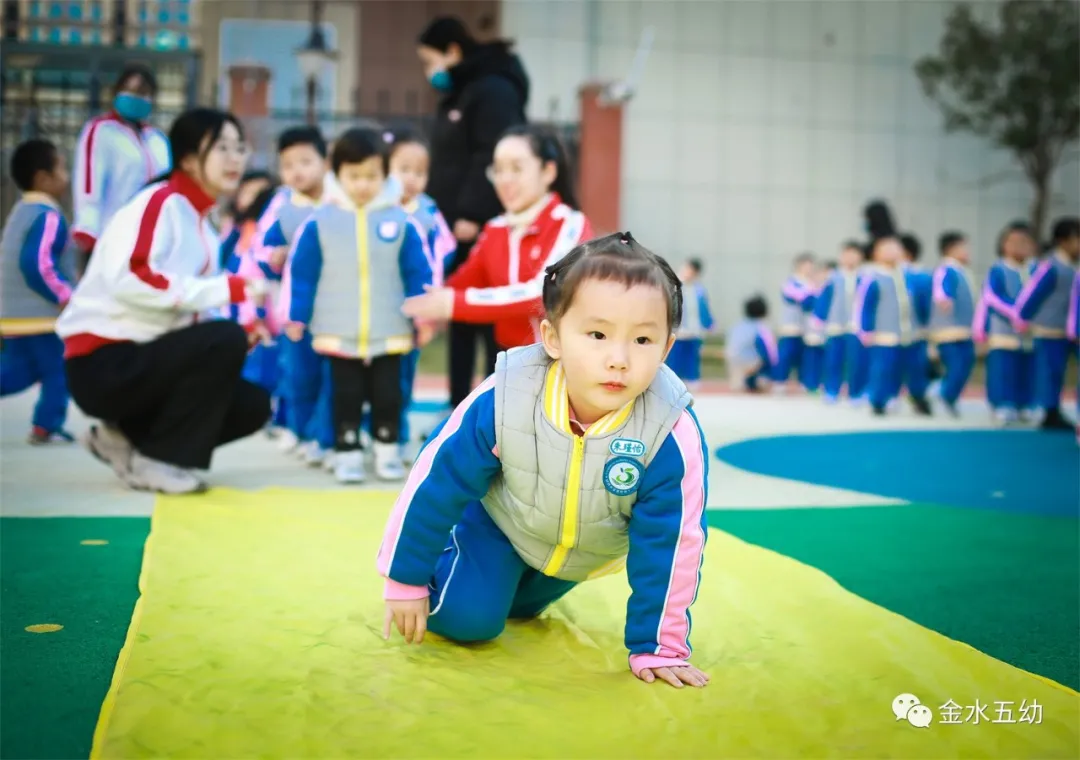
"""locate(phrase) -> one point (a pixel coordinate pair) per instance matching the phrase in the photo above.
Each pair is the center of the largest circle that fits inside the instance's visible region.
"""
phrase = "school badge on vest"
(387, 231)
(622, 476)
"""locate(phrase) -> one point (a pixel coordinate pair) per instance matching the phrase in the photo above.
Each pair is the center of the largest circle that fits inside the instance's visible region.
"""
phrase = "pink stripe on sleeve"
(795, 291)
(978, 324)
(770, 345)
(45, 262)
(434, 264)
(1071, 327)
(445, 242)
(673, 635)
(939, 283)
(420, 471)
(1025, 294)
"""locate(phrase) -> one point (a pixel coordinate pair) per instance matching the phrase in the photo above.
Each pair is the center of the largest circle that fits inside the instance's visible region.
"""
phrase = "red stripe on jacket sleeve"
(90, 155)
(140, 255)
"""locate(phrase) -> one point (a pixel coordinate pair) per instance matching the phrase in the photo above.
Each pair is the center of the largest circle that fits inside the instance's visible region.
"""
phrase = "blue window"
(95, 37)
(75, 11)
(54, 34)
(183, 18)
(95, 11)
(142, 40)
(56, 10)
(35, 8)
(143, 15)
(36, 34)
(163, 17)
(75, 36)
(182, 42)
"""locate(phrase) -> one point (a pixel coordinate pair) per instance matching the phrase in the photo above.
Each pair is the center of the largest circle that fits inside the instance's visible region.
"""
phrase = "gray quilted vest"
(1050, 319)
(956, 324)
(564, 501)
(892, 324)
(358, 301)
(17, 300)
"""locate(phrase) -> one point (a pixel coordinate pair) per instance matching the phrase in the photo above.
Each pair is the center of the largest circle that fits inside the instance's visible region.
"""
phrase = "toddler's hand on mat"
(687, 674)
(410, 617)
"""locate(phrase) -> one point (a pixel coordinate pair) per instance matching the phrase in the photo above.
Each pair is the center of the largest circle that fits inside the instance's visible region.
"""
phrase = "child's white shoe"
(287, 441)
(349, 466)
(388, 464)
(314, 454)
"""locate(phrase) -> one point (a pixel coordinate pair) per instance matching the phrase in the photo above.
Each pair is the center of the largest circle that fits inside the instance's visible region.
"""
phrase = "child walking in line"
(351, 272)
(579, 456)
(951, 317)
(36, 274)
(1008, 364)
(685, 356)
(832, 308)
(797, 300)
(409, 161)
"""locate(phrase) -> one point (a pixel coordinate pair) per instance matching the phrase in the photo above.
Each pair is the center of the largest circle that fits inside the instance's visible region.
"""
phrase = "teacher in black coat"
(484, 92)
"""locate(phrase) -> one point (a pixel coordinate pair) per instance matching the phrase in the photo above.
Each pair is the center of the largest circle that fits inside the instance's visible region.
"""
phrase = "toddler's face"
(410, 165)
(611, 342)
(362, 182)
(303, 169)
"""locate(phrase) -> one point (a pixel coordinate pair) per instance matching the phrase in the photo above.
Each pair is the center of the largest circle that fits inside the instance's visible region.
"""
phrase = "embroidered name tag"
(387, 231)
(622, 476)
(627, 447)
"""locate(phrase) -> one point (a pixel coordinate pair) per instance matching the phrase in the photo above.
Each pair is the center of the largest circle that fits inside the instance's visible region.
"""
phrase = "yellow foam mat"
(258, 634)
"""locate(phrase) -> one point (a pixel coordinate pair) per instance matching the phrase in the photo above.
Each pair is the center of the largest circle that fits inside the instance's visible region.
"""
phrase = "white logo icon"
(908, 706)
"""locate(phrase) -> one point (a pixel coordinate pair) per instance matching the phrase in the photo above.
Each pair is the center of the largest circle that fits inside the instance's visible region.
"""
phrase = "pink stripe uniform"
(442, 543)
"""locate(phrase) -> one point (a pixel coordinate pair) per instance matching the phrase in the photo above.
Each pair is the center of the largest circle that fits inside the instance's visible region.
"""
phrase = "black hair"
(911, 245)
(803, 258)
(696, 264)
(878, 218)
(357, 145)
(445, 31)
(1065, 228)
(137, 70)
(616, 257)
(948, 240)
(831, 265)
(29, 158)
(1017, 226)
(547, 146)
(195, 127)
(399, 137)
(257, 207)
(852, 243)
(255, 174)
(306, 135)
(756, 308)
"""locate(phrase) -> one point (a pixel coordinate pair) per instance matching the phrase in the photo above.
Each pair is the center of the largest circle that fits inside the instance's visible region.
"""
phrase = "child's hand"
(294, 331)
(425, 331)
(277, 257)
(676, 676)
(410, 617)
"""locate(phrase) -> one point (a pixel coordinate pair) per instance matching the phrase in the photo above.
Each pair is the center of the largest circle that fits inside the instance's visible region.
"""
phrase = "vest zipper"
(568, 532)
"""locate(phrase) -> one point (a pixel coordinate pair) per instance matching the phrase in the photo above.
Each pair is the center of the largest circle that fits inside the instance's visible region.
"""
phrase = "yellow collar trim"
(557, 406)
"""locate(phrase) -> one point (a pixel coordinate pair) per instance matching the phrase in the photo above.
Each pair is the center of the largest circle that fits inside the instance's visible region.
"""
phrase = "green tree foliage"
(1015, 82)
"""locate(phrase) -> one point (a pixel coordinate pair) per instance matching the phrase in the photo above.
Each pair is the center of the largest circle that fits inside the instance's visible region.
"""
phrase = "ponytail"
(547, 146)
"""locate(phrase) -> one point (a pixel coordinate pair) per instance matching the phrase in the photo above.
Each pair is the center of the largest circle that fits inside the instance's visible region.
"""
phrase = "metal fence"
(56, 104)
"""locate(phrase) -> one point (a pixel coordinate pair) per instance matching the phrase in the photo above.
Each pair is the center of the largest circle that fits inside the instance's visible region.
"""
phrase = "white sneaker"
(110, 446)
(314, 454)
(349, 466)
(329, 462)
(388, 465)
(287, 441)
(152, 475)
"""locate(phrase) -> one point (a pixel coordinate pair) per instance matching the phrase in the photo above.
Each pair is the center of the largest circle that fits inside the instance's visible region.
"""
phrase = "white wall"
(761, 128)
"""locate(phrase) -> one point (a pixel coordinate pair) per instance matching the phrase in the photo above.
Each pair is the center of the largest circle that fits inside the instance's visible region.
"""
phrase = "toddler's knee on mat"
(467, 627)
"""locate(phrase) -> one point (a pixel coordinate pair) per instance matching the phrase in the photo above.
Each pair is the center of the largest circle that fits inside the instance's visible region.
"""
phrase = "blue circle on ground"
(1029, 472)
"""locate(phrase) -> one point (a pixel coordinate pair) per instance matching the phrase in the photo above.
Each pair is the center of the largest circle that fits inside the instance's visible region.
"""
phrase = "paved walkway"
(61, 479)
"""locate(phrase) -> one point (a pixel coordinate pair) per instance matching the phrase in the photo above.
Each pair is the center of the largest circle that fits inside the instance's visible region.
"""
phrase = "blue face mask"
(441, 81)
(132, 107)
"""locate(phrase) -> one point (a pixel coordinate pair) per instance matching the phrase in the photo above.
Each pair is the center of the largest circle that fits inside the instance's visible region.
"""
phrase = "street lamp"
(314, 58)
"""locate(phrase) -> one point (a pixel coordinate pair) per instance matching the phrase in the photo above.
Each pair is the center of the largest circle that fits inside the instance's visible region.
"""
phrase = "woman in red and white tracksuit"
(146, 347)
(502, 280)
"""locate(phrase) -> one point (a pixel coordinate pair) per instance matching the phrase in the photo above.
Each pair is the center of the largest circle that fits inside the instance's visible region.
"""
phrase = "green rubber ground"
(1006, 584)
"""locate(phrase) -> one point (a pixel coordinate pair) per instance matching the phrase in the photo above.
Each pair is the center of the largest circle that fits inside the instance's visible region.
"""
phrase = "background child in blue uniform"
(796, 303)
(883, 315)
(409, 162)
(750, 349)
(1008, 364)
(920, 286)
(685, 355)
(305, 376)
(832, 308)
(951, 317)
(813, 359)
(561, 468)
(351, 272)
(36, 274)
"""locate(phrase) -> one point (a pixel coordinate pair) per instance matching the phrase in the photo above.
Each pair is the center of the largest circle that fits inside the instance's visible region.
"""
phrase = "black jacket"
(490, 90)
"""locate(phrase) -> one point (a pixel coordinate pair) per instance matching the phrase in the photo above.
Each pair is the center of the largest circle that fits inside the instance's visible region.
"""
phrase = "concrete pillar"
(600, 159)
